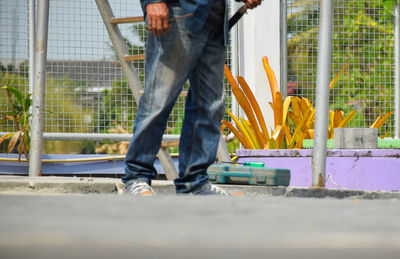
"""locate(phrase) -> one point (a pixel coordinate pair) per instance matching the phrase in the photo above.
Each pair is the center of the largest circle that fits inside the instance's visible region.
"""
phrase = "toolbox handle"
(236, 174)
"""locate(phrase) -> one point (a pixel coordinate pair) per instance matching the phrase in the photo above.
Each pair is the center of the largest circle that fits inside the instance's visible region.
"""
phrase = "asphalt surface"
(168, 226)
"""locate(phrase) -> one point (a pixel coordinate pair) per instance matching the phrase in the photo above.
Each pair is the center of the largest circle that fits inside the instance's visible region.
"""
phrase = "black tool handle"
(236, 17)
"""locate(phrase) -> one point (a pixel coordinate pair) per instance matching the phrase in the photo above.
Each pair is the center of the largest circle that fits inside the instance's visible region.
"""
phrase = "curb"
(85, 185)
(60, 185)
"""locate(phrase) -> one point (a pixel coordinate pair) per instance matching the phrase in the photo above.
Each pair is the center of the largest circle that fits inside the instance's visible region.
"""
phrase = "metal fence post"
(322, 93)
(397, 71)
(284, 54)
(32, 18)
(35, 161)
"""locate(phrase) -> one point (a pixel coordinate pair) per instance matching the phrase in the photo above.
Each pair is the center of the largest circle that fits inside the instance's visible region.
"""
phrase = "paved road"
(112, 226)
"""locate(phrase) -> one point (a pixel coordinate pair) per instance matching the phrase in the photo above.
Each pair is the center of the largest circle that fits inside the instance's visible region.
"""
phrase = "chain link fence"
(363, 38)
(86, 90)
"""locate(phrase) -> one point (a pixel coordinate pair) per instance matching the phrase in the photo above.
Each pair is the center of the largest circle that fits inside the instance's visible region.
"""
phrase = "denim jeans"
(171, 60)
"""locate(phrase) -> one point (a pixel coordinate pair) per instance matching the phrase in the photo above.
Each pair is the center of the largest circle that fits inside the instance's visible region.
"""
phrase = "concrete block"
(356, 138)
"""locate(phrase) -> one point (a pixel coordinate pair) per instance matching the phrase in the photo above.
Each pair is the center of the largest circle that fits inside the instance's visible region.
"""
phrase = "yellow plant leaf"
(310, 123)
(373, 124)
(255, 106)
(296, 120)
(250, 132)
(271, 78)
(306, 101)
(272, 105)
(338, 118)
(385, 135)
(21, 147)
(303, 106)
(223, 127)
(347, 119)
(337, 77)
(27, 141)
(277, 131)
(311, 133)
(278, 109)
(330, 126)
(299, 143)
(287, 134)
(286, 105)
(278, 136)
(244, 104)
(272, 144)
(241, 129)
(296, 107)
(300, 127)
(13, 141)
(5, 136)
(239, 136)
(383, 120)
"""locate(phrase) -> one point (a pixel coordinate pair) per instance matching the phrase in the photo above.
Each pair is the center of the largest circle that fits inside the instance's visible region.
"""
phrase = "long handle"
(236, 17)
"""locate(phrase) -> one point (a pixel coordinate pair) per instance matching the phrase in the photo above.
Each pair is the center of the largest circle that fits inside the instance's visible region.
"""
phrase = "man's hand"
(157, 18)
(252, 3)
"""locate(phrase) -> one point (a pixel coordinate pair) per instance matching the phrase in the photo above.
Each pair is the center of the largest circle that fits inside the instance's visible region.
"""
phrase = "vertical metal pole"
(32, 18)
(322, 93)
(397, 71)
(284, 55)
(235, 52)
(35, 161)
(234, 41)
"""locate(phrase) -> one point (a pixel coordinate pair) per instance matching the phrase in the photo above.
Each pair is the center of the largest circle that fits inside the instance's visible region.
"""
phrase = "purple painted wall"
(367, 169)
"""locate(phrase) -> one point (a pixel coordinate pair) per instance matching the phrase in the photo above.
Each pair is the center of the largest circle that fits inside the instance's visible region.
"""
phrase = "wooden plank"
(167, 163)
(165, 144)
(135, 57)
(127, 20)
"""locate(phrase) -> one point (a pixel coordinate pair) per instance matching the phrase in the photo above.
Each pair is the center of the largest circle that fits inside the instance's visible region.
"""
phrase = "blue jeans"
(171, 59)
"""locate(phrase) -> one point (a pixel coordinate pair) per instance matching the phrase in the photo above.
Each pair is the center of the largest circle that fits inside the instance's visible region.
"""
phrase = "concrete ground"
(43, 218)
(119, 226)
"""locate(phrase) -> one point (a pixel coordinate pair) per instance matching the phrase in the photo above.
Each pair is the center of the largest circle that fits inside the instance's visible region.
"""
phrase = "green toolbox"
(231, 174)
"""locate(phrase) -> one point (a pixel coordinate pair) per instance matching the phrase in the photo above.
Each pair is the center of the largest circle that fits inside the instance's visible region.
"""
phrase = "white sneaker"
(139, 189)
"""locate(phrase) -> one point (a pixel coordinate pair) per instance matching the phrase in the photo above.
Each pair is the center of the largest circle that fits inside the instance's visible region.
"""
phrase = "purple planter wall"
(366, 169)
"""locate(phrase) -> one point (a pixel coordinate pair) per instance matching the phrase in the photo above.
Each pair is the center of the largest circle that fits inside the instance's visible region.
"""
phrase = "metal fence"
(363, 38)
(86, 90)
(87, 93)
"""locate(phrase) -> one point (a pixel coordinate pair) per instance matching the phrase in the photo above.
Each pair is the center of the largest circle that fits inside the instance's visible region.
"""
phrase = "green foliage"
(118, 109)
(233, 146)
(19, 113)
(2, 68)
(65, 110)
(362, 36)
(119, 106)
(388, 4)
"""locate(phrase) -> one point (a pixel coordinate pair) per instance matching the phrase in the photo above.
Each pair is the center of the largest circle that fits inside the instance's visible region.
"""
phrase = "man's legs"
(170, 59)
(204, 109)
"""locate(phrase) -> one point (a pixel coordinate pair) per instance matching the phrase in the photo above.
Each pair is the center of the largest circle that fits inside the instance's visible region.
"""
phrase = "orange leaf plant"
(293, 116)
